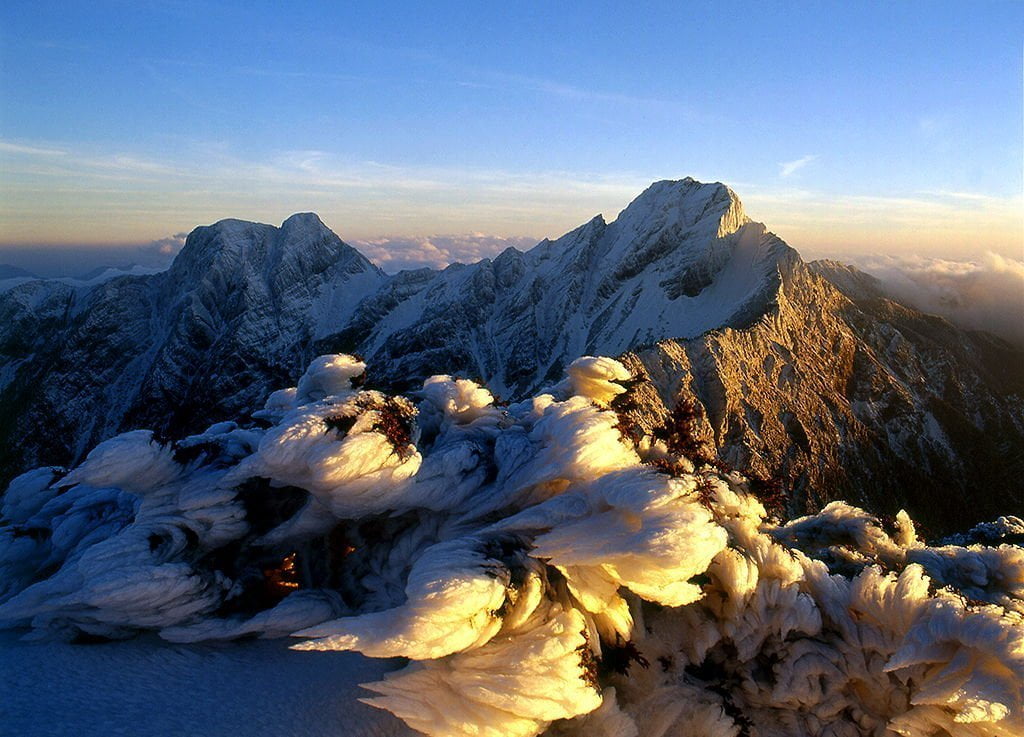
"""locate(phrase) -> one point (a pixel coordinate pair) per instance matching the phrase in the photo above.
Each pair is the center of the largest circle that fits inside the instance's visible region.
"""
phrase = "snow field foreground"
(542, 569)
(141, 687)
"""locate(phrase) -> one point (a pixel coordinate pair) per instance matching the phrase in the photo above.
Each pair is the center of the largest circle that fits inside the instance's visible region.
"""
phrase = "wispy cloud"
(16, 148)
(969, 196)
(492, 79)
(830, 224)
(76, 195)
(935, 206)
(427, 65)
(65, 194)
(787, 168)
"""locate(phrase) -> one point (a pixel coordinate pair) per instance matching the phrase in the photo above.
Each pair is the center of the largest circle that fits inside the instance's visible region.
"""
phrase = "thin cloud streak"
(102, 196)
(15, 148)
(823, 225)
(563, 90)
(471, 76)
(971, 196)
(368, 197)
(789, 168)
(459, 74)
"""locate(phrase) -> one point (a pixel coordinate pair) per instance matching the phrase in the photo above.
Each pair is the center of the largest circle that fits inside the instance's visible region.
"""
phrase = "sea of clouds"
(395, 253)
(986, 293)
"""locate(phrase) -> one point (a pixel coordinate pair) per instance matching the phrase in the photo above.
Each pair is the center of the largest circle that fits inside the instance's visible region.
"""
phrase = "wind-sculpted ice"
(543, 570)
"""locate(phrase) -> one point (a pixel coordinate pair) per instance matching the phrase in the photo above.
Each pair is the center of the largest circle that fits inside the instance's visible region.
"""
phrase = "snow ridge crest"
(684, 203)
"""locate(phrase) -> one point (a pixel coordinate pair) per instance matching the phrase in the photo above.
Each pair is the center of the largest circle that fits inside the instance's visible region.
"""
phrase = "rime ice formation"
(547, 567)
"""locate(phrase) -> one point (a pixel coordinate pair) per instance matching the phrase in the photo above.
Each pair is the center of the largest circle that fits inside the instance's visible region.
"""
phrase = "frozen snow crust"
(543, 570)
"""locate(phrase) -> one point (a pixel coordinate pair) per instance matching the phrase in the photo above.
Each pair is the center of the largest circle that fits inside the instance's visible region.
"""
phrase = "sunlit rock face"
(865, 401)
(682, 259)
(805, 377)
(546, 567)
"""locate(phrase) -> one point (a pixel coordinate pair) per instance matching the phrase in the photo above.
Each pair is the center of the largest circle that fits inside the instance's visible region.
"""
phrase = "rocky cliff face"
(831, 398)
(803, 375)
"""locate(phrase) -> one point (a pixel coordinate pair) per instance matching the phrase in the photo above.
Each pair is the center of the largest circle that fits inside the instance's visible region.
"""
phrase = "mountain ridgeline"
(805, 376)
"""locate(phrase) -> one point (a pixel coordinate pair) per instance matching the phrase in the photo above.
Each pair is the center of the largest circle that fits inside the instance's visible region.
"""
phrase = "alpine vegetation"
(546, 567)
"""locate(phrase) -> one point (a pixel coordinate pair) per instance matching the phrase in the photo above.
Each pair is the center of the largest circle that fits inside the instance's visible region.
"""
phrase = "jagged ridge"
(829, 395)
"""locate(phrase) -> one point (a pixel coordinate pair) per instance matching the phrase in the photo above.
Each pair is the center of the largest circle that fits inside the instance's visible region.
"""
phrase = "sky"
(845, 127)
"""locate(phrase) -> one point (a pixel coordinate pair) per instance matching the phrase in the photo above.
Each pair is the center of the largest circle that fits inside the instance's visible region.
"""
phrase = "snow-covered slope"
(148, 688)
(803, 376)
(682, 259)
(858, 399)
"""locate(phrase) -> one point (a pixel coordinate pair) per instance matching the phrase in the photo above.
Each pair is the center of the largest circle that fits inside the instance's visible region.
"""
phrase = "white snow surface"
(149, 687)
(540, 572)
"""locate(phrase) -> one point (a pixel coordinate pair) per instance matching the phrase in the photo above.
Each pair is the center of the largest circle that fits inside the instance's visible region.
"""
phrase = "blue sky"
(843, 126)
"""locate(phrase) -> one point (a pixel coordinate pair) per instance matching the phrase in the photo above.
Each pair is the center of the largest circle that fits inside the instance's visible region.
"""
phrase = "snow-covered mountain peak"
(304, 221)
(226, 243)
(681, 219)
(682, 204)
(305, 242)
(302, 245)
(675, 227)
(680, 260)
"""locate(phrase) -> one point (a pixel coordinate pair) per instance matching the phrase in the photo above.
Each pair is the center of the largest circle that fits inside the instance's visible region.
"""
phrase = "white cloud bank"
(982, 294)
(396, 253)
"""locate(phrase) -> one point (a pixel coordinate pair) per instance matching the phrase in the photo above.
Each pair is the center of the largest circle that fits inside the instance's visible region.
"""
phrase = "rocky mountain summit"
(235, 313)
(682, 259)
(805, 376)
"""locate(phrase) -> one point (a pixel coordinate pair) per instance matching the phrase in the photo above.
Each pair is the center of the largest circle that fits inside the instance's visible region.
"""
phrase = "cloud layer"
(983, 294)
(49, 260)
(436, 251)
